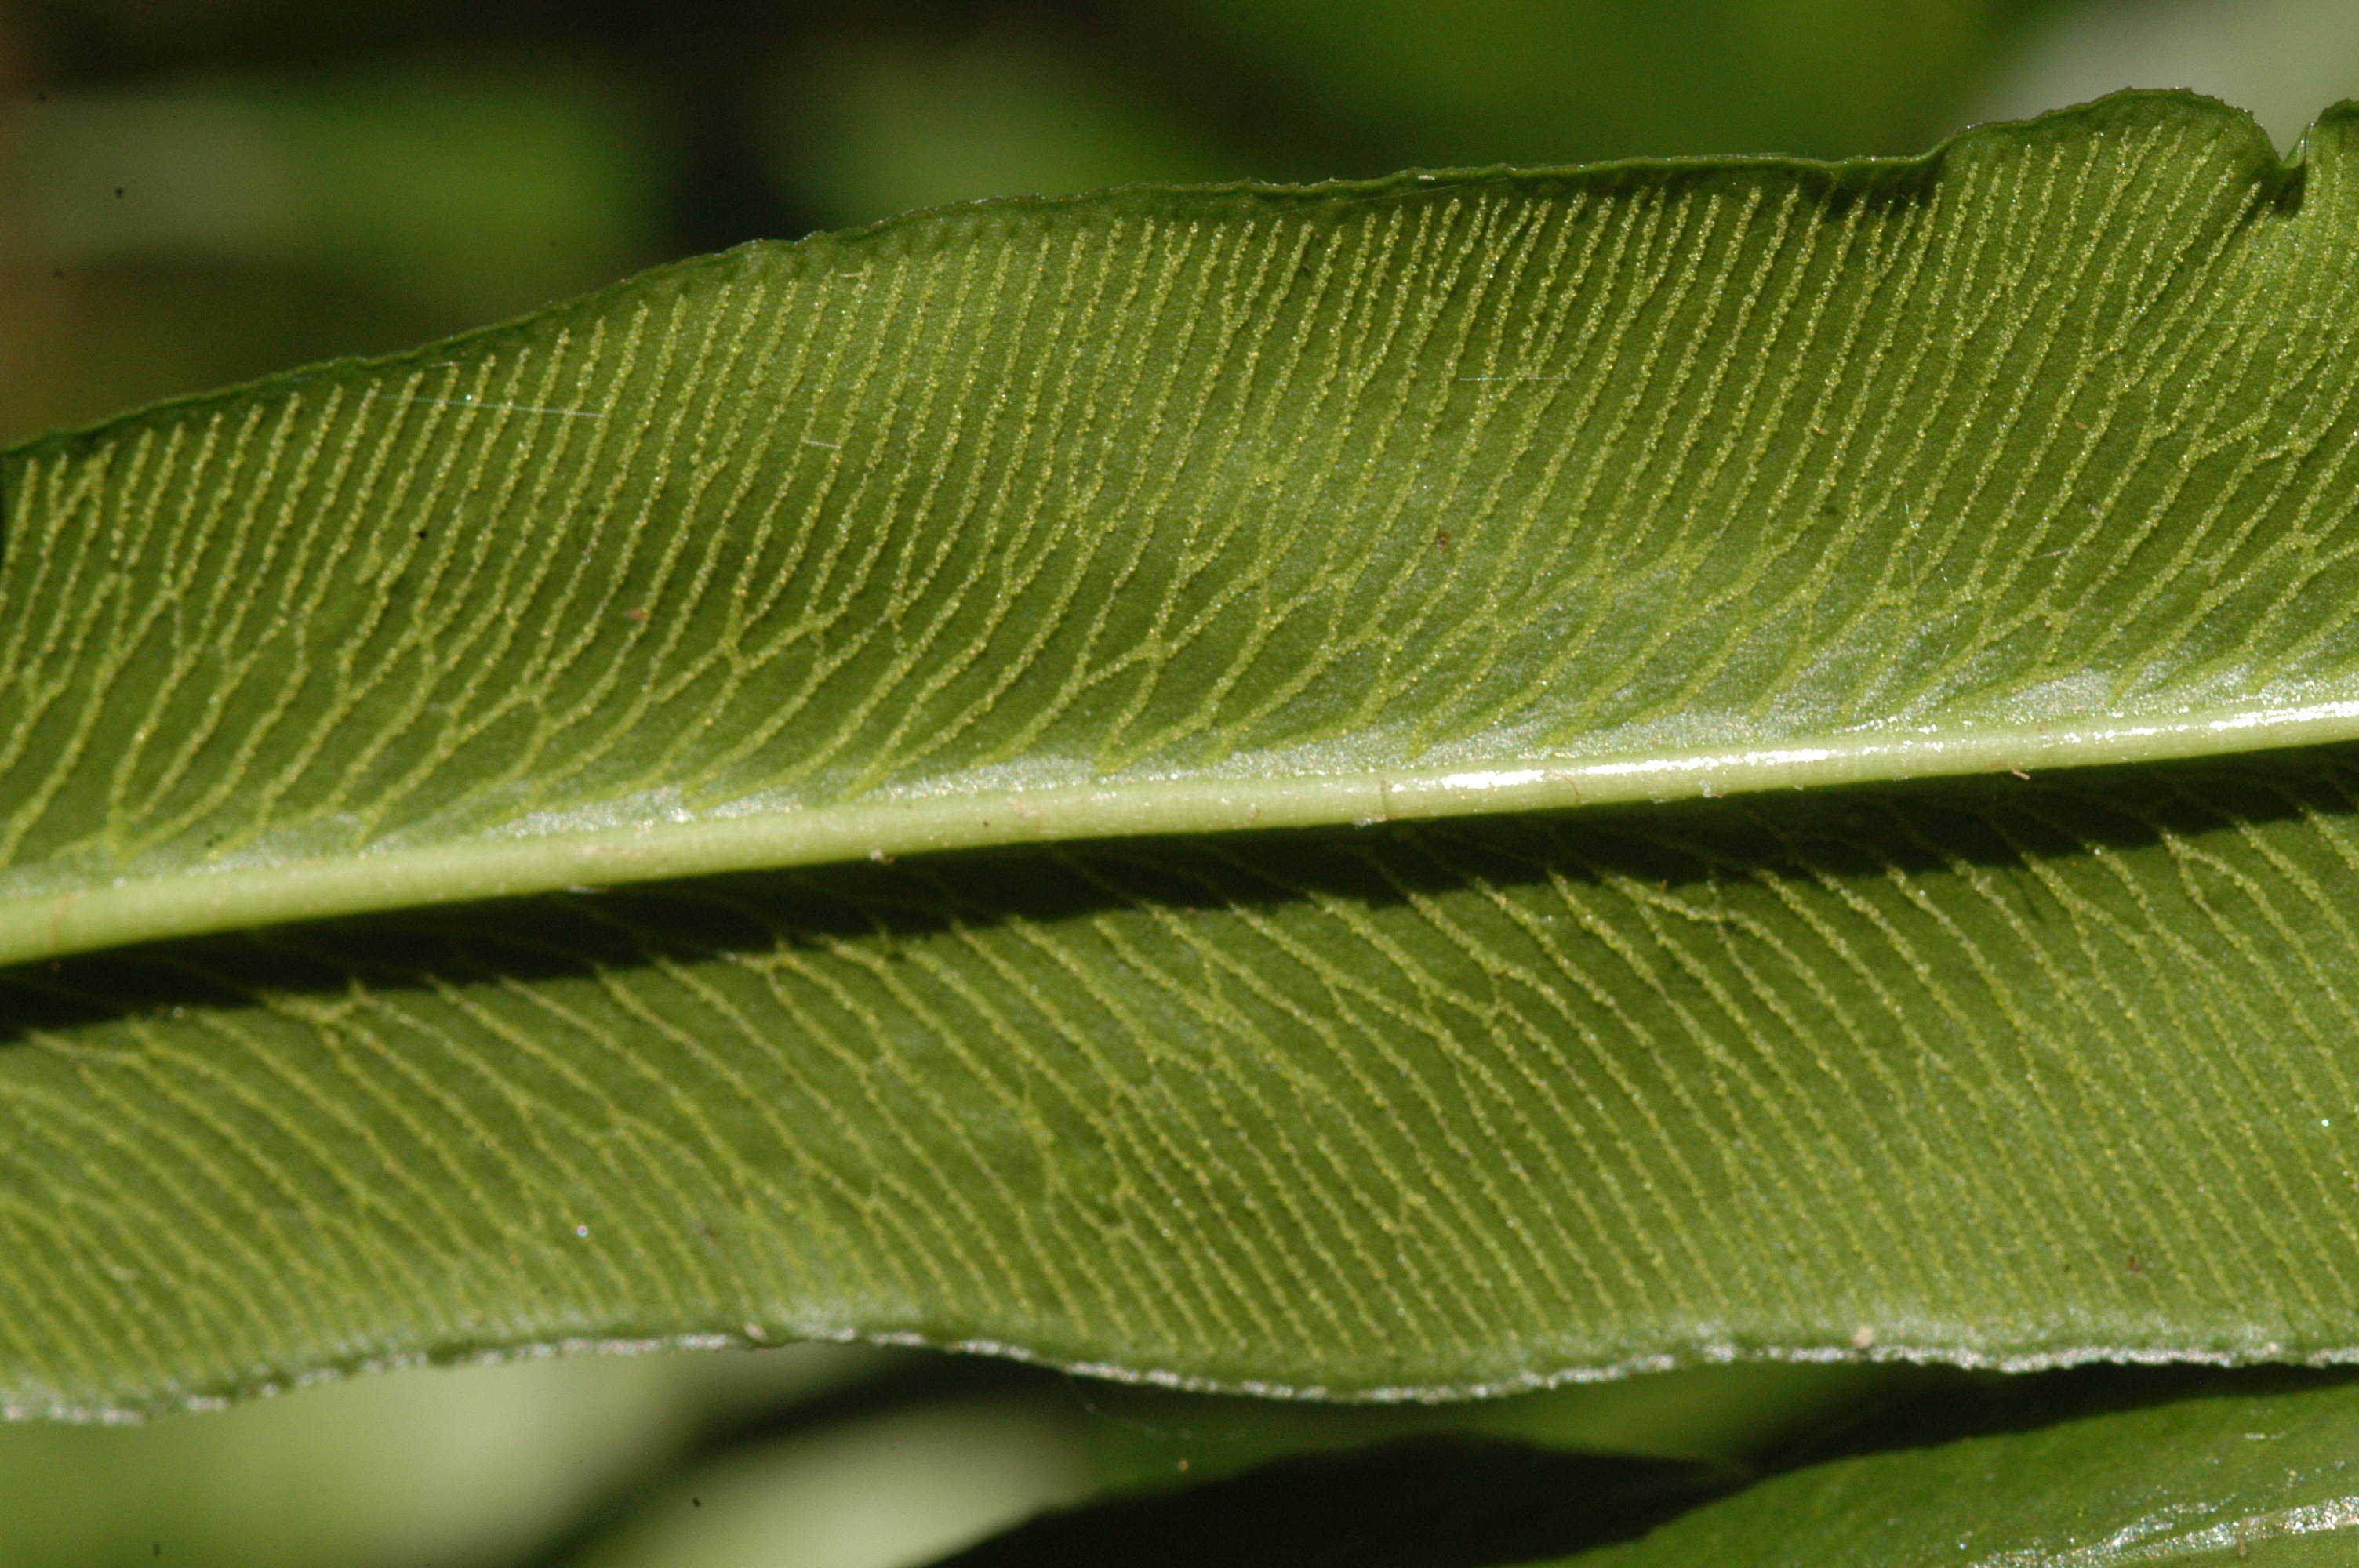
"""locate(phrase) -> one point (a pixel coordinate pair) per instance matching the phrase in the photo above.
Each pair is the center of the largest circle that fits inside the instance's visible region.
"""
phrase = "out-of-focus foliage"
(298, 181)
(2282, 59)
(1543, 82)
(348, 177)
(155, 239)
(817, 1457)
(870, 127)
(421, 1467)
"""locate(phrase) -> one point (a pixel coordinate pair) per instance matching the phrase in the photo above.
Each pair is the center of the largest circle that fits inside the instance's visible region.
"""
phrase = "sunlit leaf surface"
(1165, 513)
(2266, 1479)
(1178, 511)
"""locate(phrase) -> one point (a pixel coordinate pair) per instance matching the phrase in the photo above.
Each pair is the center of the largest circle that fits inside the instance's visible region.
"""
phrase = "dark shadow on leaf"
(1425, 1502)
(1994, 822)
(1950, 1406)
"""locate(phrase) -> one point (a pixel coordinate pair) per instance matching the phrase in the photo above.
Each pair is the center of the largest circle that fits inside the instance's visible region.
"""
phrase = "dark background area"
(195, 192)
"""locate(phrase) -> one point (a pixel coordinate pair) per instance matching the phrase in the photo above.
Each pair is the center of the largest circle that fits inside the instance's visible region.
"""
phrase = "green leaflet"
(2262, 1479)
(1185, 511)
(1161, 512)
(2092, 1468)
(1988, 1071)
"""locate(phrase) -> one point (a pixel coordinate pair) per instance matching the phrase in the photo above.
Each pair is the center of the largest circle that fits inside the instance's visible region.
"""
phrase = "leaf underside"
(1979, 1071)
(1075, 507)
(1178, 510)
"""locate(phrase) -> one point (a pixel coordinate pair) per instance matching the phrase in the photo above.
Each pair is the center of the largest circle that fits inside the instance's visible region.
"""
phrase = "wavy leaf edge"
(53, 911)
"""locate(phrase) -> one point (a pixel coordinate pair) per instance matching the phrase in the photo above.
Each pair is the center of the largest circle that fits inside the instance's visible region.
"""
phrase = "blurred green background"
(194, 191)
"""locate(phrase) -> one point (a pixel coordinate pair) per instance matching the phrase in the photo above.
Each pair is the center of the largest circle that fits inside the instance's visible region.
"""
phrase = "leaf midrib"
(45, 923)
